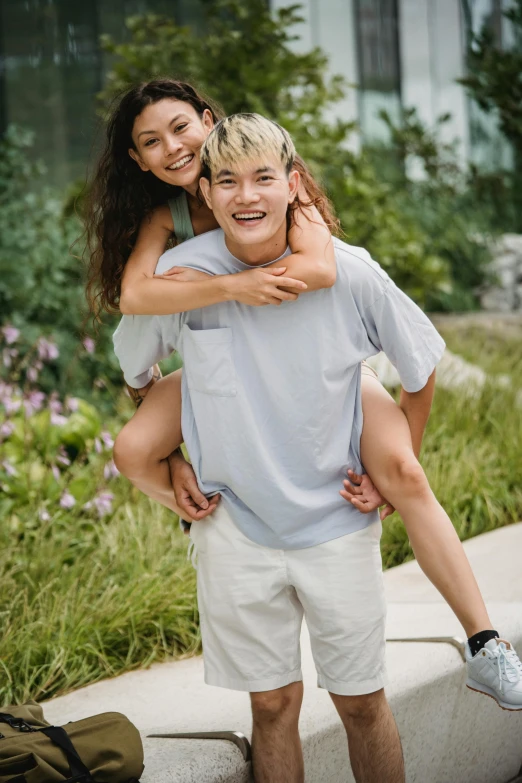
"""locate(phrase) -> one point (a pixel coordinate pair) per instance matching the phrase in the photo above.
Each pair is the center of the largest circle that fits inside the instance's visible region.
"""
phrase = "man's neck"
(263, 253)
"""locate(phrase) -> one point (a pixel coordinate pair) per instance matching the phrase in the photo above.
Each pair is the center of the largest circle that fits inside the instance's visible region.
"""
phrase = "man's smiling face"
(250, 201)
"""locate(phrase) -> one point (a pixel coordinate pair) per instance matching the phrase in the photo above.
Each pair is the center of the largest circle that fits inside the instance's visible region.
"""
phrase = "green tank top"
(179, 209)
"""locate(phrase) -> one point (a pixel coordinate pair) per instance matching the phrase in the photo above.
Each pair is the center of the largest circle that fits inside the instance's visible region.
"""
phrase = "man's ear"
(294, 179)
(204, 184)
(134, 155)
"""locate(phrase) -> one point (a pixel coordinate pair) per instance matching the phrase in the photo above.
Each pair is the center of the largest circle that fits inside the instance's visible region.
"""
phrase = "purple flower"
(54, 403)
(11, 334)
(33, 402)
(98, 446)
(8, 354)
(107, 439)
(44, 515)
(63, 457)
(58, 420)
(6, 429)
(11, 404)
(71, 403)
(32, 374)
(89, 344)
(102, 503)
(110, 470)
(67, 500)
(9, 468)
(56, 472)
(47, 350)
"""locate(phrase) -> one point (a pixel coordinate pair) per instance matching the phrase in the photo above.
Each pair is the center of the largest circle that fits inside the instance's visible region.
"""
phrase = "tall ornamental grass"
(94, 576)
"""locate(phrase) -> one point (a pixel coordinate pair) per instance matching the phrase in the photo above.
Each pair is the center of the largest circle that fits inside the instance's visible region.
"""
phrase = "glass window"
(489, 149)
(376, 23)
(53, 68)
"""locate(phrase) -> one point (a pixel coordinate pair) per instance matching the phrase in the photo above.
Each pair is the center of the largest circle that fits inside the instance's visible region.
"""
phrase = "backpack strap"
(59, 736)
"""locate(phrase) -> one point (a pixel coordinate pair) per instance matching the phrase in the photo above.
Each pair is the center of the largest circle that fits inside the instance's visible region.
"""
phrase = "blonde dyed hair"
(241, 139)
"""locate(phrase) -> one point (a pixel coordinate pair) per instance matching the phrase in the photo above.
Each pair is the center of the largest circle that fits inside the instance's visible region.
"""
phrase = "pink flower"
(107, 439)
(33, 402)
(6, 429)
(47, 350)
(9, 468)
(11, 334)
(56, 472)
(54, 403)
(32, 374)
(71, 403)
(98, 446)
(58, 420)
(67, 500)
(63, 457)
(11, 405)
(110, 470)
(8, 354)
(102, 503)
(89, 344)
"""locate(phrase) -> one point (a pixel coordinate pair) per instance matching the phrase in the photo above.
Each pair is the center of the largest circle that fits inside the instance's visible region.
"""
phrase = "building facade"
(395, 53)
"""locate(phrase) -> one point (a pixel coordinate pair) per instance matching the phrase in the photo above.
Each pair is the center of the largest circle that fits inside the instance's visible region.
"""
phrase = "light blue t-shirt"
(271, 412)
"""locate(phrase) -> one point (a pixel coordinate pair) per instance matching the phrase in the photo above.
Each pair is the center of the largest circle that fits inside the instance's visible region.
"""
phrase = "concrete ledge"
(449, 733)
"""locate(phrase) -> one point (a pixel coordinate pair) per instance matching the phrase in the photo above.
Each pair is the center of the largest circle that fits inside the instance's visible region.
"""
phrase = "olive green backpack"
(105, 748)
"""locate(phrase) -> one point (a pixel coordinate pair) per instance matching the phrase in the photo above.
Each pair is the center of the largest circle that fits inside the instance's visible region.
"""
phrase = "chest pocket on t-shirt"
(208, 361)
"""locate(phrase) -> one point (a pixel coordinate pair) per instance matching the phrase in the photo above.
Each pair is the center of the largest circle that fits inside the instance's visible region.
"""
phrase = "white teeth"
(180, 163)
(248, 215)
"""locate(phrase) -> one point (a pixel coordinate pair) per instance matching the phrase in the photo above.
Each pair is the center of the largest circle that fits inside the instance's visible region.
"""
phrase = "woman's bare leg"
(388, 457)
(142, 448)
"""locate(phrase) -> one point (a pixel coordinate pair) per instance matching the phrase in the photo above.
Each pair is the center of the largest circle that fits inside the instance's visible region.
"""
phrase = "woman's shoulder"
(162, 216)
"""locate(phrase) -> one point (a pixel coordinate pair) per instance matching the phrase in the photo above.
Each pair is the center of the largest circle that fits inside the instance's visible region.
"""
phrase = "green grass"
(472, 449)
(82, 599)
(83, 602)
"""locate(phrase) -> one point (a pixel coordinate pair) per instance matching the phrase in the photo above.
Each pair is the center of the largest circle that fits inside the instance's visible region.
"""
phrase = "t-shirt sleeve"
(397, 326)
(142, 340)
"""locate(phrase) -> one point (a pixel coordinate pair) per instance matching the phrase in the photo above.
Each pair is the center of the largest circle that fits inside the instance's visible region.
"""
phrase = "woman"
(145, 191)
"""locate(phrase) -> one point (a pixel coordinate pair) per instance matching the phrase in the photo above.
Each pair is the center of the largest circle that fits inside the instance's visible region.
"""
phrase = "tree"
(494, 81)
(245, 61)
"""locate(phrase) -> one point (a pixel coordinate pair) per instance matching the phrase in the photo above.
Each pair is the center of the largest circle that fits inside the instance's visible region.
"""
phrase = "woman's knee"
(131, 451)
(404, 475)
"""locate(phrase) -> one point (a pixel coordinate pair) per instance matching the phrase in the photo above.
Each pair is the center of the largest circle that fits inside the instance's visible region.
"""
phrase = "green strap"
(179, 209)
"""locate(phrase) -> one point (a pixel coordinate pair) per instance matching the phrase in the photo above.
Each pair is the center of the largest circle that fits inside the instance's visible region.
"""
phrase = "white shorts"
(252, 600)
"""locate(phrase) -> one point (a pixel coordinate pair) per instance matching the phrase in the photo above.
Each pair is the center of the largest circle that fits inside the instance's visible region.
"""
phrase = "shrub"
(41, 281)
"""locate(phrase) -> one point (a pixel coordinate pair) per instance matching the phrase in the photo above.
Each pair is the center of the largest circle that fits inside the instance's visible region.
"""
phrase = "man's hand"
(189, 499)
(362, 493)
(138, 395)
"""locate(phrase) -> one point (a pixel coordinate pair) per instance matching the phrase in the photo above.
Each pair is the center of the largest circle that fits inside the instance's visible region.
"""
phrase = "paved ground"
(447, 730)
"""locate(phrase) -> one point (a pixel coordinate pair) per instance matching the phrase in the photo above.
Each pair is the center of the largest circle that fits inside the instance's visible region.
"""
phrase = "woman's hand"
(361, 492)
(260, 287)
(183, 274)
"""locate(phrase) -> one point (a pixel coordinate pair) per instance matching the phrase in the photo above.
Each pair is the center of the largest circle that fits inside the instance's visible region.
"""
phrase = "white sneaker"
(496, 670)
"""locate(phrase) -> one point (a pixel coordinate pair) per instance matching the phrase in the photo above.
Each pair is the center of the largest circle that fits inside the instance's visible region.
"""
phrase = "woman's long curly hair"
(121, 194)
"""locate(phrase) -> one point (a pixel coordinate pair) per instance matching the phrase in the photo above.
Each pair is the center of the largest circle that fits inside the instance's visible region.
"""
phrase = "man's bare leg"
(387, 454)
(277, 755)
(373, 738)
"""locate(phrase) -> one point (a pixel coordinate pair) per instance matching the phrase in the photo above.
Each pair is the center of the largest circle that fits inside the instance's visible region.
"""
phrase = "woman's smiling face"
(167, 137)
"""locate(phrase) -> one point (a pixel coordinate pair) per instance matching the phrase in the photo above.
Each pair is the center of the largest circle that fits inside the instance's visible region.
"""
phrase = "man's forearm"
(417, 407)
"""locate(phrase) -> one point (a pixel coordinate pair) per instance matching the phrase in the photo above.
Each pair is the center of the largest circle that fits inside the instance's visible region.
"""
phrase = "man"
(272, 419)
